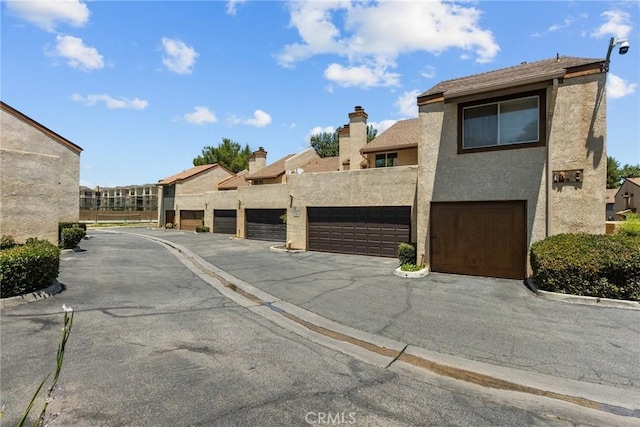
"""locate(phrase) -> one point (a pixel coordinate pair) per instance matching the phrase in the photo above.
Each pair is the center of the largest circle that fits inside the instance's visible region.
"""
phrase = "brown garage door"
(266, 224)
(374, 231)
(479, 238)
(189, 220)
(224, 221)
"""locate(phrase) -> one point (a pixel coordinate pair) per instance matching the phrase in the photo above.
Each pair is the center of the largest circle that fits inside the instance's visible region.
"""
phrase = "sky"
(144, 86)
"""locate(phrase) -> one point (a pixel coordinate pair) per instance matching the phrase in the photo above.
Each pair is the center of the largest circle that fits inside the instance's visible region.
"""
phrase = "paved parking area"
(496, 321)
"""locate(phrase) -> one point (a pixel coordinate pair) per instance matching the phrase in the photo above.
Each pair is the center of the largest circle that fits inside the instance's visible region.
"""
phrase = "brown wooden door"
(189, 220)
(224, 221)
(366, 230)
(479, 238)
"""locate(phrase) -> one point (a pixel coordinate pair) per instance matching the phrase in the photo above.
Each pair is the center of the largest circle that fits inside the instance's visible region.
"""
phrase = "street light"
(624, 48)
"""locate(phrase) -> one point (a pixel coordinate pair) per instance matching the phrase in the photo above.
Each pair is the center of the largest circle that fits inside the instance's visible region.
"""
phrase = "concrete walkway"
(491, 332)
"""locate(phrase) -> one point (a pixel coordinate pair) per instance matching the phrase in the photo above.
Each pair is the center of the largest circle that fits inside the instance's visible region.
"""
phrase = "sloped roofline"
(522, 74)
(28, 120)
(190, 173)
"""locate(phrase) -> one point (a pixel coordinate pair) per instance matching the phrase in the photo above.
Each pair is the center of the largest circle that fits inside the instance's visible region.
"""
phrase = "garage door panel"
(190, 219)
(369, 230)
(224, 221)
(266, 224)
(479, 238)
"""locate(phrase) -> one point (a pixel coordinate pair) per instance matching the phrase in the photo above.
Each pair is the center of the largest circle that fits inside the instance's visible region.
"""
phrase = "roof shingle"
(273, 170)
(402, 134)
(512, 76)
(186, 174)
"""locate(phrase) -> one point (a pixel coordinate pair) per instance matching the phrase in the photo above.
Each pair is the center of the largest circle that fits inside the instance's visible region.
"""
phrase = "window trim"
(542, 122)
(386, 158)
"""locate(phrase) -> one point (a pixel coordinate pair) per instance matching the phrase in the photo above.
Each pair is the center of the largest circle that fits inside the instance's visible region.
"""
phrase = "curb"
(41, 294)
(584, 300)
(411, 274)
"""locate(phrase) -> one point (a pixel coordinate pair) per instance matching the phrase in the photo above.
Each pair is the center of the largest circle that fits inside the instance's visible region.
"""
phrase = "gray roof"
(510, 77)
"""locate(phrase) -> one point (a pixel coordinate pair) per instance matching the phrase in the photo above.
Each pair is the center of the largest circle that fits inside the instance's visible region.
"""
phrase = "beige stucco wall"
(406, 157)
(206, 181)
(219, 200)
(39, 179)
(628, 191)
(577, 142)
(369, 187)
(274, 196)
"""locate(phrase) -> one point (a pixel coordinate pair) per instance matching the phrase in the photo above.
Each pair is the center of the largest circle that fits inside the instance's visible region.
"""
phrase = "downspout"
(551, 110)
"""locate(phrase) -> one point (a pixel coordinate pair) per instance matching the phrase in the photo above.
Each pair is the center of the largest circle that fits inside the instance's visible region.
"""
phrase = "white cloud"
(618, 87)
(110, 102)
(232, 6)
(407, 103)
(371, 35)
(260, 119)
(383, 125)
(50, 13)
(617, 24)
(362, 75)
(566, 23)
(319, 129)
(77, 54)
(201, 115)
(428, 72)
(179, 58)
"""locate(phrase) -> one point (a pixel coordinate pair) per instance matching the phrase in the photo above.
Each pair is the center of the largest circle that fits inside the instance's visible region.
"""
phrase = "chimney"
(357, 136)
(343, 150)
(258, 160)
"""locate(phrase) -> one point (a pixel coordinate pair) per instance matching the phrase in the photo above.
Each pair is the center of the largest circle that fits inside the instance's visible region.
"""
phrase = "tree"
(617, 174)
(630, 171)
(229, 154)
(326, 144)
(613, 173)
(371, 133)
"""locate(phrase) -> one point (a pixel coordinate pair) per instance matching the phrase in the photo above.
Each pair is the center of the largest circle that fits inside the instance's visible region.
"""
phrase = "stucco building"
(493, 163)
(39, 178)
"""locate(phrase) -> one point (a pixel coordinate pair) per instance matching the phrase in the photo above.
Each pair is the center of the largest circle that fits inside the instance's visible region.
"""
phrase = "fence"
(88, 215)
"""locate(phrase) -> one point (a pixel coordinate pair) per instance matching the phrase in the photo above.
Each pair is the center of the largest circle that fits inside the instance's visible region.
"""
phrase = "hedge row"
(28, 268)
(605, 266)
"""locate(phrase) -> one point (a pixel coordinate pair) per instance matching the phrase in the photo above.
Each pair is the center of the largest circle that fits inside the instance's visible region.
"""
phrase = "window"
(257, 182)
(386, 160)
(169, 191)
(502, 123)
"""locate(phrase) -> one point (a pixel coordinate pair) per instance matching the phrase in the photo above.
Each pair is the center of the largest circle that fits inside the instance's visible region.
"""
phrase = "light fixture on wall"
(290, 200)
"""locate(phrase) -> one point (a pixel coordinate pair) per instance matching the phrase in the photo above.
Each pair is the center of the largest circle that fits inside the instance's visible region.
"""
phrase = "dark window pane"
(519, 121)
(480, 127)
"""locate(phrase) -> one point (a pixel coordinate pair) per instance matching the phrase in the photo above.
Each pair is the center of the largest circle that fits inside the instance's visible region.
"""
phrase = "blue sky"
(143, 86)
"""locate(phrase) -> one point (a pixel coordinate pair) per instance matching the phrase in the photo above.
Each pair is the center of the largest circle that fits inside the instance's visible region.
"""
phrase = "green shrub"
(7, 242)
(630, 226)
(604, 266)
(410, 267)
(63, 225)
(202, 229)
(71, 237)
(29, 267)
(407, 253)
